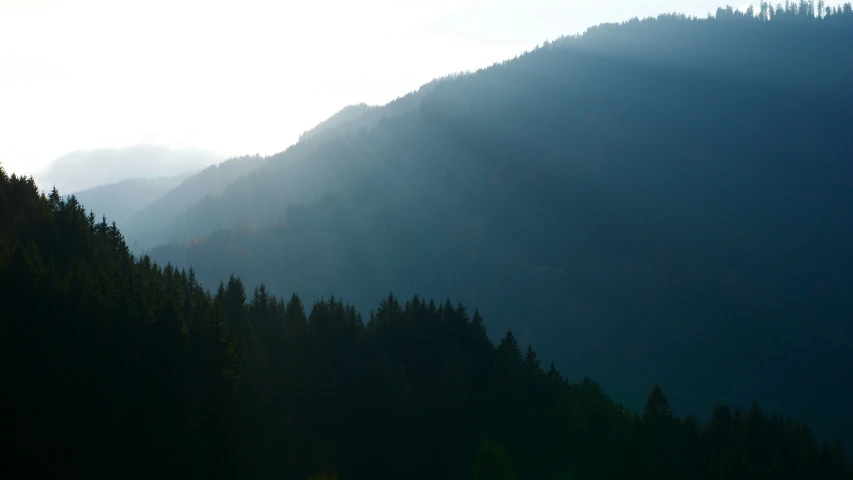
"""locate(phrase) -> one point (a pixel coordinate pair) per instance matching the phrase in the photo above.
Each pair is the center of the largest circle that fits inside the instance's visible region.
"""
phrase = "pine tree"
(477, 324)
(657, 406)
(55, 199)
(261, 298)
(295, 311)
(554, 374)
(509, 348)
(531, 362)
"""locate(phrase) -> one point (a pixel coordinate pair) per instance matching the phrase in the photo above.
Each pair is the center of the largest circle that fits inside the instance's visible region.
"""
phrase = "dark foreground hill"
(668, 200)
(118, 368)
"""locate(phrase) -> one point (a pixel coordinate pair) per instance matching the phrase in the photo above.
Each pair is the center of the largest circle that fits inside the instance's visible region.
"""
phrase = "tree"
(55, 199)
(261, 298)
(657, 407)
(295, 311)
(477, 324)
(531, 362)
(509, 350)
(554, 374)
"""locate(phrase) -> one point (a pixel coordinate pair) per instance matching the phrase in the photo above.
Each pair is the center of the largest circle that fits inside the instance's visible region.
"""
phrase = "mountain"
(352, 118)
(347, 120)
(84, 169)
(191, 210)
(666, 200)
(122, 369)
(157, 222)
(292, 176)
(121, 200)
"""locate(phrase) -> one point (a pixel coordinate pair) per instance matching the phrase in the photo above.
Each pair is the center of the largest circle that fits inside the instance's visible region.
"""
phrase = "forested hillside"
(121, 200)
(666, 200)
(353, 118)
(158, 221)
(119, 368)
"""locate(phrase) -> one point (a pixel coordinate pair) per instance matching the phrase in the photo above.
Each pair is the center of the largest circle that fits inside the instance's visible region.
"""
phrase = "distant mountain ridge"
(84, 169)
(182, 214)
(155, 223)
(352, 118)
(348, 118)
(121, 200)
(307, 167)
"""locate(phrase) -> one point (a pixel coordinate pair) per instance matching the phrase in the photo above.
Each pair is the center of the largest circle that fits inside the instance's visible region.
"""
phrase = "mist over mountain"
(353, 118)
(666, 200)
(158, 221)
(121, 200)
(84, 169)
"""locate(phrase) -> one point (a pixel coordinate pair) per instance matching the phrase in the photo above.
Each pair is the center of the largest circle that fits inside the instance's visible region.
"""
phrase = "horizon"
(178, 91)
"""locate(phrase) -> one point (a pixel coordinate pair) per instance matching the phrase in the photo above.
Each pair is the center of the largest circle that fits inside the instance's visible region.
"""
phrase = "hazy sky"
(245, 77)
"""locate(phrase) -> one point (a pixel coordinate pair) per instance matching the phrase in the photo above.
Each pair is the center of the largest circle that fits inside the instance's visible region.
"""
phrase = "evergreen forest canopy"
(666, 200)
(122, 369)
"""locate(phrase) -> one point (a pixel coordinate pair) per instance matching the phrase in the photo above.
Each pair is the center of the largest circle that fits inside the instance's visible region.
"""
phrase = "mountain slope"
(665, 200)
(121, 200)
(121, 369)
(177, 215)
(351, 119)
(157, 222)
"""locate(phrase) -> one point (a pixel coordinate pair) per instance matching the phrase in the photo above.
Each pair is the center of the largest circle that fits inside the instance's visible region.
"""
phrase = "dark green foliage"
(117, 368)
(493, 463)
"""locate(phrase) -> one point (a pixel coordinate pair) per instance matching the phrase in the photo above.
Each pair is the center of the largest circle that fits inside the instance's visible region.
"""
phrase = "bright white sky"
(246, 76)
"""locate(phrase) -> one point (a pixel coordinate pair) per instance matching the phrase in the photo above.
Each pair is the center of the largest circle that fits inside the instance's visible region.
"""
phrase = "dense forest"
(120, 368)
(663, 200)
